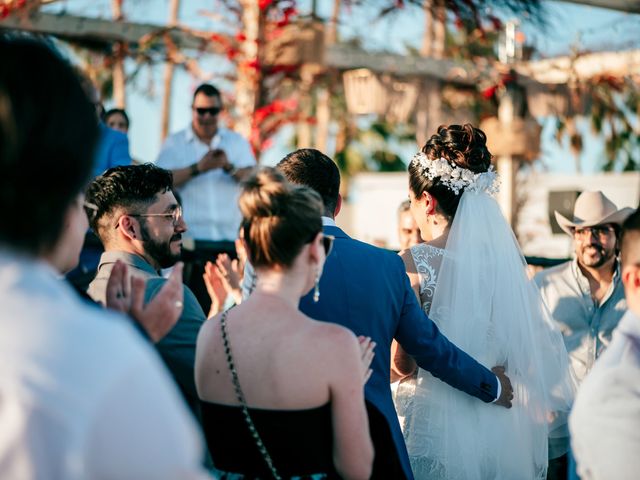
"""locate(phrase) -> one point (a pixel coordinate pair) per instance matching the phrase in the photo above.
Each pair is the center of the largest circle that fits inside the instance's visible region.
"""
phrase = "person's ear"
(631, 277)
(338, 206)
(127, 227)
(430, 202)
(314, 248)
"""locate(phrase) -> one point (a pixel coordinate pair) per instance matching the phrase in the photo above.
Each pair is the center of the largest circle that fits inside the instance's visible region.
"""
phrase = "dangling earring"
(316, 289)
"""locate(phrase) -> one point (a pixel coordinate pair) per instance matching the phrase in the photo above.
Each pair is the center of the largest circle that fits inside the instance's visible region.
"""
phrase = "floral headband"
(457, 178)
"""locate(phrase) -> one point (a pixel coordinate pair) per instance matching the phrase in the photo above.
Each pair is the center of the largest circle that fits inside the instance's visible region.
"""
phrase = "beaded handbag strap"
(241, 400)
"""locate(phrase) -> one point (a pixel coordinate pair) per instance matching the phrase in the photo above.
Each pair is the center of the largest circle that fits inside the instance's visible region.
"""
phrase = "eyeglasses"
(91, 210)
(213, 111)
(600, 232)
(327, 243)
(176, 215)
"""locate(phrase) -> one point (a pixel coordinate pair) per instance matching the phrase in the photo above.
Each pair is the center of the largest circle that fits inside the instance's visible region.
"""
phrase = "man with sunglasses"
(139, 221)
(585, 295)
(207, 162)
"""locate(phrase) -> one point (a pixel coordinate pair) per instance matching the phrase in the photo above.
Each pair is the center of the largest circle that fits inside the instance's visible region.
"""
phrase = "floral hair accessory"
(457, 178)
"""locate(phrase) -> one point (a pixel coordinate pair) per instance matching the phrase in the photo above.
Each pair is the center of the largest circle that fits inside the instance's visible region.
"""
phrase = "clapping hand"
(506, 395)
(366, 350)
(119, 289)
(230, 275)
(160, 314)
(215, 287)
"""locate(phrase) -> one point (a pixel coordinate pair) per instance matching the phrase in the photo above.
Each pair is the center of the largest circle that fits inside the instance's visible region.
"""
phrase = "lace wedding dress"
(477, 292)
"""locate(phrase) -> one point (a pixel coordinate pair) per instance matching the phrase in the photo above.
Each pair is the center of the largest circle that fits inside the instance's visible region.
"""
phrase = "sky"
(569, 25)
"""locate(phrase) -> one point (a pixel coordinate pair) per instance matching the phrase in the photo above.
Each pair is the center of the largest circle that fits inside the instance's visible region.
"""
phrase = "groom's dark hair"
(313, 169)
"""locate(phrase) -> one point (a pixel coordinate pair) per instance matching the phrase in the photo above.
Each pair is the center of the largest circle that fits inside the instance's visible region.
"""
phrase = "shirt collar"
(132, 259)
(584, 282)
(328, 222)
(190, 136)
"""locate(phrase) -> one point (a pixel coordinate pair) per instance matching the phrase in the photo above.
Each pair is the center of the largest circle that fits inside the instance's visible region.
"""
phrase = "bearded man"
(139, 221)
(585, 295)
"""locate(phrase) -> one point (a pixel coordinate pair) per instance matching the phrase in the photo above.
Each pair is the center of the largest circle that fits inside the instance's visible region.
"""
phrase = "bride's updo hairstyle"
(278, 218)
(461, 145)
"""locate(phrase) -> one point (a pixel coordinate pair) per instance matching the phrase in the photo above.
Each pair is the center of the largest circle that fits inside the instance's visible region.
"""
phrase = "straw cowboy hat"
(593, 208)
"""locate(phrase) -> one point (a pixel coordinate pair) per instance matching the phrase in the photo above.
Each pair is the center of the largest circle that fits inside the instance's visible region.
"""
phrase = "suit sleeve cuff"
(499, 390)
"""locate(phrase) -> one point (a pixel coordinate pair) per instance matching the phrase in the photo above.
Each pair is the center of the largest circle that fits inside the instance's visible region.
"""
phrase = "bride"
(470, 278)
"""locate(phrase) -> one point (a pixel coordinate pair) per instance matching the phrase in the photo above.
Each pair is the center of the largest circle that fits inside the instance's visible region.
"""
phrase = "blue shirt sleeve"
(112, 150)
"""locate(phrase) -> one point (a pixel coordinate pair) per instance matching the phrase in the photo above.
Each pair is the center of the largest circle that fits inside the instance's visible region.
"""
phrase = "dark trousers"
(558, 468)
(386, 463)
(194, 263)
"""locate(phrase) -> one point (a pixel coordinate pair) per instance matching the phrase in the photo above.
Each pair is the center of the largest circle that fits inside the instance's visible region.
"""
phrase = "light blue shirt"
(586, 325)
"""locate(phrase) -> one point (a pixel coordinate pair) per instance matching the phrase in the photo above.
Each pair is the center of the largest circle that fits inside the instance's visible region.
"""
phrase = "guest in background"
(606, 414)
(282, 394)
(139, 221)
(117, 119)
(207, 162)
(585, 295)
(408, 231)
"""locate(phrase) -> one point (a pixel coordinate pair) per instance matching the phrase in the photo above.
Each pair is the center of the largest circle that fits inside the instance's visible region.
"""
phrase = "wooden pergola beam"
(629, 6)
(344, 57)
(563, 69)
(79, 28)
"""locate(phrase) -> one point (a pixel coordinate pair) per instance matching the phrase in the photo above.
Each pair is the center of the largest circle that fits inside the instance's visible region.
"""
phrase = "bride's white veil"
(486, 305)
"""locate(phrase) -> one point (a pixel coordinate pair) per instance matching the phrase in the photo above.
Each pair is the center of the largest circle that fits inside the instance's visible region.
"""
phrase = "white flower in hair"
(457, 178)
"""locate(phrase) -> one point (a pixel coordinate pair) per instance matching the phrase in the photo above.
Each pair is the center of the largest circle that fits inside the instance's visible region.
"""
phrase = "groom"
(367, 290)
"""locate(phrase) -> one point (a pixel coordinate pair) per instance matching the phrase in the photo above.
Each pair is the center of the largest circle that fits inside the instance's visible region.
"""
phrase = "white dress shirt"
(82, 395)
(605, 421)
(209, 200)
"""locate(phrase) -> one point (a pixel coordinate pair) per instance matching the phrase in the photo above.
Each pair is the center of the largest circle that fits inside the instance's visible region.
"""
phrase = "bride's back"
(477, 291)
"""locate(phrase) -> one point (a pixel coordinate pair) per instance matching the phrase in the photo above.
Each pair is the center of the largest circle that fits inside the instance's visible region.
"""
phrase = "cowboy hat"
(593, 208)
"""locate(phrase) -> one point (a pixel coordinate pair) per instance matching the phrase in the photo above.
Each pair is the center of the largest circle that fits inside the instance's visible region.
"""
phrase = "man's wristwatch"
(194, 170)
(229, 169)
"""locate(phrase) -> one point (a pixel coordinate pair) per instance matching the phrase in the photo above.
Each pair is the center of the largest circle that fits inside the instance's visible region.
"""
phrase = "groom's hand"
(506, 395)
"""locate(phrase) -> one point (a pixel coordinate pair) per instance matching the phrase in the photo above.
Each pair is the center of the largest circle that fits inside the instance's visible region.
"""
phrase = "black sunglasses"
(327, 242)
(213, 111)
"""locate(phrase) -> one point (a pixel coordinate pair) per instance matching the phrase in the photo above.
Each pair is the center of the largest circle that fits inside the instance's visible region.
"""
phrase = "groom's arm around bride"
(422, 340)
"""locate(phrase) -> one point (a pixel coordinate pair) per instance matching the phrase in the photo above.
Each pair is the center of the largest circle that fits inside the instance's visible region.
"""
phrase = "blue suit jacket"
(367, 290)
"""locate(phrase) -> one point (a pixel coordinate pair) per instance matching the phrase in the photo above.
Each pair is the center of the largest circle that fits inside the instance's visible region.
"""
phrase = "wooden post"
(507, 165)
(323, 95)
(427, 38)
(248, 90)
(439, 29)
(119, 78)
(332, 27)
(174, 8)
